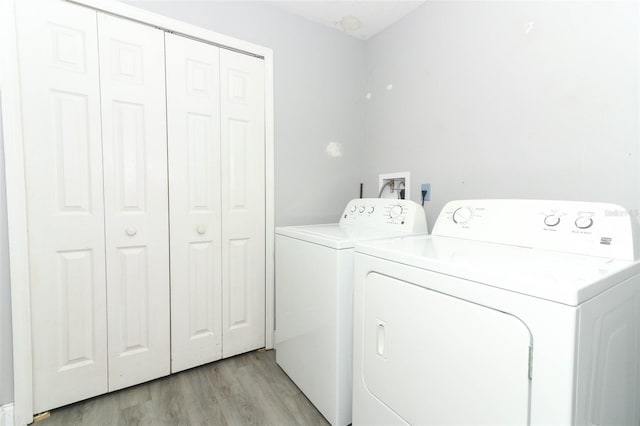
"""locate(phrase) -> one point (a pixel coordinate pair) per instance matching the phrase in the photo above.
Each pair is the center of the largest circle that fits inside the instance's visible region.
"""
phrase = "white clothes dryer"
(314, 297)
(513, 312)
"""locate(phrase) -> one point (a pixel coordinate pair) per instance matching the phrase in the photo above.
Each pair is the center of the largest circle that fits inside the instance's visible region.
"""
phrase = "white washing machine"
(314, 296)
(513, 312)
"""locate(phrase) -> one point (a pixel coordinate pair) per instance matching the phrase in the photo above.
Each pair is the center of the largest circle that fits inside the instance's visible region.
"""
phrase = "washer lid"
(336, 236)
(560, 277)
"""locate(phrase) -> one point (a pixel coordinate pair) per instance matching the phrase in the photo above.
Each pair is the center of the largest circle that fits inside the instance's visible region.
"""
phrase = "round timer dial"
(395, 211)
(462, 215)
(552, 220)
(584, 222)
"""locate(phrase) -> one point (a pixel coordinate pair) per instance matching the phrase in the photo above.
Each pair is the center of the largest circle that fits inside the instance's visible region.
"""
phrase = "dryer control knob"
(552, 220)
(584, 222)
(371, 209)
(462, 215)
(361, 209)
(353, 208)
(395, 211)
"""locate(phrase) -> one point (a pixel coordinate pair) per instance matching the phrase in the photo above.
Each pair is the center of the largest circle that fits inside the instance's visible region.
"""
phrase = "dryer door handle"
(381, 339)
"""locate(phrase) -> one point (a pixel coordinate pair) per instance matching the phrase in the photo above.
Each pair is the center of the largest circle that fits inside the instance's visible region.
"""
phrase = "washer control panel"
(380, 213)
(595, 229)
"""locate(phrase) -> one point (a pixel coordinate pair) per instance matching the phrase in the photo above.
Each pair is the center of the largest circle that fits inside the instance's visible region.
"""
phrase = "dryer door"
(438, 360)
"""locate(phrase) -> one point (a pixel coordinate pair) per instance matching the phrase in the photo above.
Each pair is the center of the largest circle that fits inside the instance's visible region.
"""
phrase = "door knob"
(131, 231)
(202, 229)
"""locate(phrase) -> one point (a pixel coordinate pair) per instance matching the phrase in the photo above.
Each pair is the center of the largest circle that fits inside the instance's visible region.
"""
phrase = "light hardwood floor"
(248, 389)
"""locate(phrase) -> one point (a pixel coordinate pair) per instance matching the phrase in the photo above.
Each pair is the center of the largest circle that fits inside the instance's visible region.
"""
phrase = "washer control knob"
(395, 211)
(371, 209)
(584, 222)
(361, 209)
(353, 208)
(552, 220)
(462, 215)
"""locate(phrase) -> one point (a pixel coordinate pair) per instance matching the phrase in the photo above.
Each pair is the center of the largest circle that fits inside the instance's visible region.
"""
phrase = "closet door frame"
(16, 188)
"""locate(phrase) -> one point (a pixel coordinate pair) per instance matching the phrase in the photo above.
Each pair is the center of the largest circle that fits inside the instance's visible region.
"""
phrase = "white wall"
(508, 100)
(6, 355)
(318, 99)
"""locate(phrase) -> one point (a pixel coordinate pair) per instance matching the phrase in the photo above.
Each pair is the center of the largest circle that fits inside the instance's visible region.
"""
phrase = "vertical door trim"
(269, 201)
(16, 189)
(16, 216)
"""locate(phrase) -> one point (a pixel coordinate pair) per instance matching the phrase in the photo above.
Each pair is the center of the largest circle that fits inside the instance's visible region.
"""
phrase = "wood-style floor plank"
(248, 389)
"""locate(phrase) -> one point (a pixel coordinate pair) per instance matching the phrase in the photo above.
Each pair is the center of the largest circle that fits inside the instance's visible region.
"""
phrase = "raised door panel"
(458, 363)
(194, 201)
(63, 161)
(136, 196)
(243, 202)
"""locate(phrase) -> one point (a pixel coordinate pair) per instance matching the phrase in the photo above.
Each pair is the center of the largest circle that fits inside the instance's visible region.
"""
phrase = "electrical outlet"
(427, 195)
(394, 185)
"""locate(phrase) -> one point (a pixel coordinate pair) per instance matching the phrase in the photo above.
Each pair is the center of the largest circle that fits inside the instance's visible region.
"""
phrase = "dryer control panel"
(594, 229)
(385, 213)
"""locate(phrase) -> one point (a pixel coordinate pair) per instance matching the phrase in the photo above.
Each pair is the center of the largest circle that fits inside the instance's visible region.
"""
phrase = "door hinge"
(530, 362)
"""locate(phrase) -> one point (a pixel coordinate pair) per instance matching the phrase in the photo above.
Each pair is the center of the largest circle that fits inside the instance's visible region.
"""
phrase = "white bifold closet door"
(94, 108)
(58, 56)
(243, 202)
(217, 201)
(136, 199)
(193, 99)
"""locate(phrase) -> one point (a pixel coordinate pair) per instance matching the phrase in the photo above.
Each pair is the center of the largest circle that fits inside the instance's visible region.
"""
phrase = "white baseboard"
(6, 415)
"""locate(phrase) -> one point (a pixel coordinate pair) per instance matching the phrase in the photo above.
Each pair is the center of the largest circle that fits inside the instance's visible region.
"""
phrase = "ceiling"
(360, 18)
